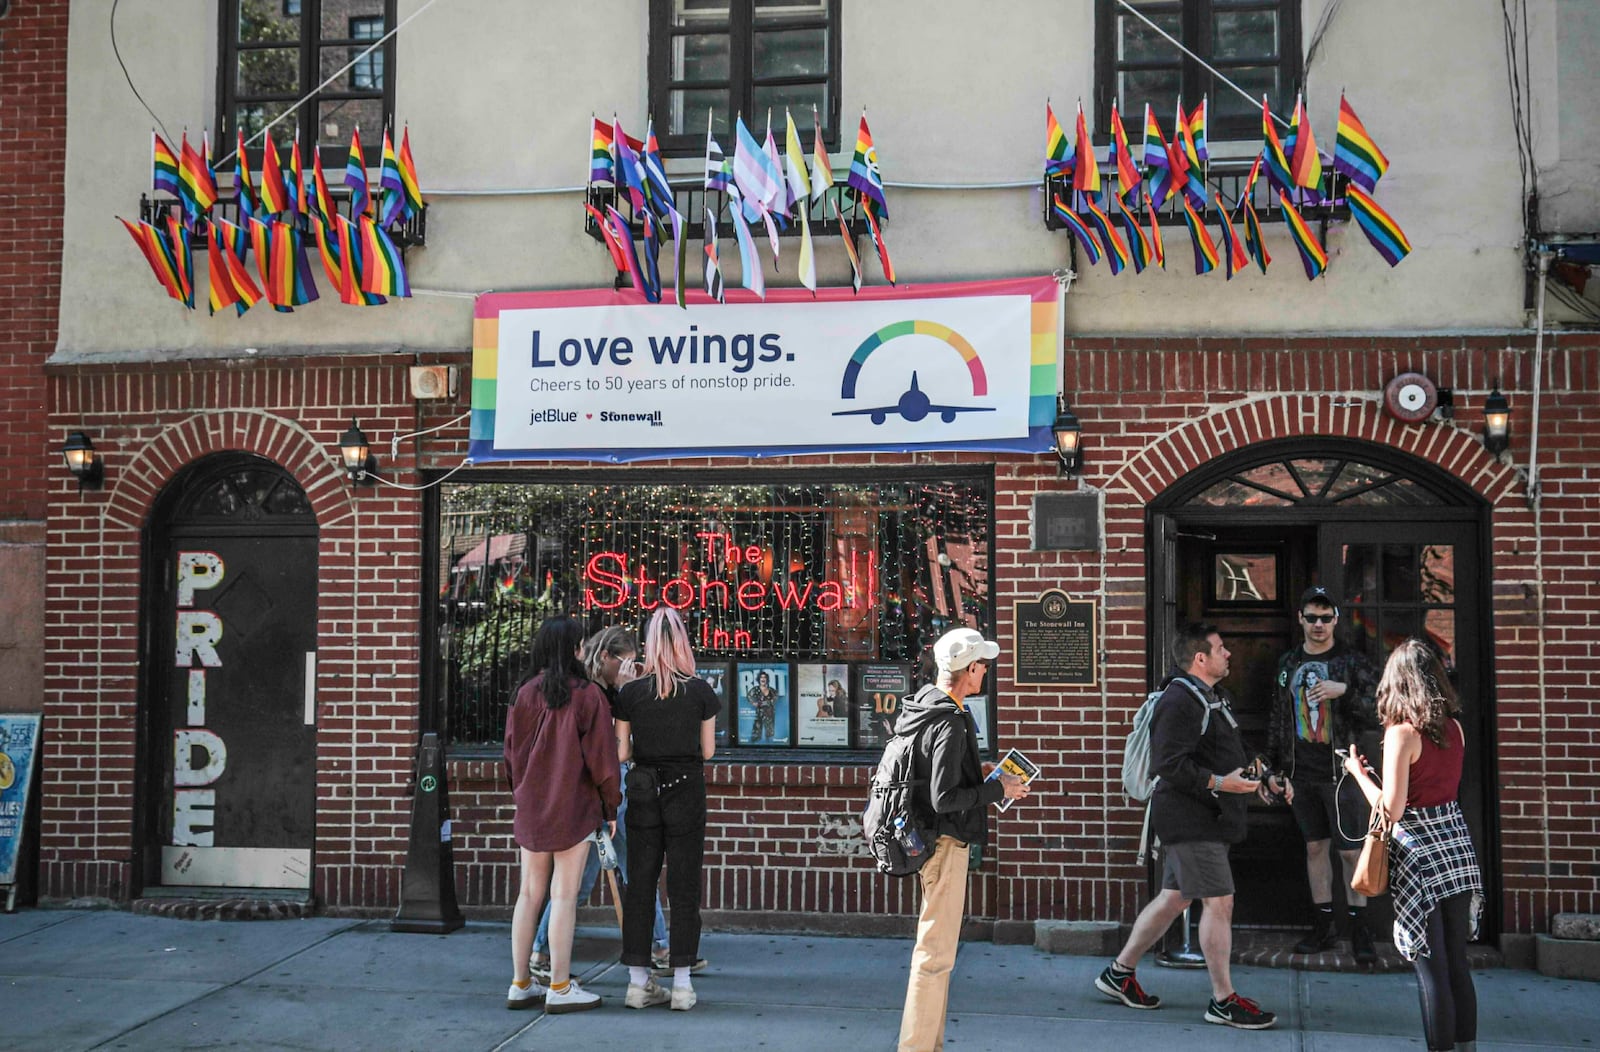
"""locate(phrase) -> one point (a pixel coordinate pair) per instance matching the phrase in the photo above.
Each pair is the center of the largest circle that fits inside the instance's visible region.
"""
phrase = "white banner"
(853, 373)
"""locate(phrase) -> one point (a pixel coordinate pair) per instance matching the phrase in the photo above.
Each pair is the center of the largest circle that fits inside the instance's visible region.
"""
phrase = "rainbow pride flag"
(261, 244)
(1155, 159)
(1254, 244)
(355, 175)
(289, 272)
(1116, 249)
(864, 174)
(618, 259)
(879, 243)
(155, 253)
(274, 192)
(1354, 152)
(1057, 149)
(1084, 235)
(350, 290)
(393, 187)
(1233, 254)
(1312, 254)
(1187, 168)
(322, 203)
(1158, 251)
(602, 166)
(821, 167)
(1085, 168)
(245, 193)
(163, 168)
(410, 187)
(295, 184)
(1272, 151)
(849, 249)
(1121, 159)
(182, 258)
(1380, 227)
(221, 292)
(196, 196)
(1205, 250)
(243, 285)
(383, 272)
(1305, 163)
(1197, 132)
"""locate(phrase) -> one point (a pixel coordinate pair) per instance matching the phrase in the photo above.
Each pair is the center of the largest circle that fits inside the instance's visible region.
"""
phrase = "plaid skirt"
(1430, 858)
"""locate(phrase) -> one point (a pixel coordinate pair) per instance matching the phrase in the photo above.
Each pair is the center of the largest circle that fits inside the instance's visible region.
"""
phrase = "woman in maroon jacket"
(561, 756)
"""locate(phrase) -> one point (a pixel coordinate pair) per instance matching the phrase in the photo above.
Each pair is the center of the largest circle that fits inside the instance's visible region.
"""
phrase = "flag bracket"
(692, 202)
(413, 233)
(1228, 177)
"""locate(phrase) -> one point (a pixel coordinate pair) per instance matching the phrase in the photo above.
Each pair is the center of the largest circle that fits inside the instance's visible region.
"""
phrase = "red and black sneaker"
(1239, 1012)
(1125, 988)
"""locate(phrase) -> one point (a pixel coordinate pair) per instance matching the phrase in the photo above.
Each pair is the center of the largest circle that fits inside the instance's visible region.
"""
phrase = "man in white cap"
(955, 793)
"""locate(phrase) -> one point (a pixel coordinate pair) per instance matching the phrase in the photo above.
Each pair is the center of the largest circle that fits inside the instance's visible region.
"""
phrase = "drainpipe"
(1535, 506)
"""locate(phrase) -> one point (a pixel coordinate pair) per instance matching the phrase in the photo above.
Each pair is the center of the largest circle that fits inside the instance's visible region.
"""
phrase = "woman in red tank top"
(1433, 872)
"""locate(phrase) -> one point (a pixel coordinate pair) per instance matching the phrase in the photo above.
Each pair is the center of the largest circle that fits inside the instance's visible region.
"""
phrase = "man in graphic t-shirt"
(1324, 700)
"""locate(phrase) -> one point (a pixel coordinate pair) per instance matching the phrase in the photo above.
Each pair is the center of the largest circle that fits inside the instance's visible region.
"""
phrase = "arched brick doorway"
(228, 714)
(1401, 543)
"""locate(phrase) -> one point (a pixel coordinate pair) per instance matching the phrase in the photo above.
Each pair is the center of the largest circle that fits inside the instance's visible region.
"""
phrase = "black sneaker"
(1239, 1012)
(1361, 943)
(1126, 989)
(1323, 936)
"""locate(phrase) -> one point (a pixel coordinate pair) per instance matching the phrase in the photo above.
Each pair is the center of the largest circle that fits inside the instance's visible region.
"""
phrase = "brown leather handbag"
(1371, 877)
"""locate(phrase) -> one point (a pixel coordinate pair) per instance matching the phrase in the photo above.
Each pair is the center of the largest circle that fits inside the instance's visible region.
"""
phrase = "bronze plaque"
(1055, 641)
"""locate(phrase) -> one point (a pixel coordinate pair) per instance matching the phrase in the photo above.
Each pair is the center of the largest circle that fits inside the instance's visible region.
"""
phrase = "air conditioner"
(429, 382)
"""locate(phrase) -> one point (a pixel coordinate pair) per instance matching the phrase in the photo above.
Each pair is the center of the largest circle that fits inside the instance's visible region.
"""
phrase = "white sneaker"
(683, 998)
(532, 997)
(574, 999)
(651, 993)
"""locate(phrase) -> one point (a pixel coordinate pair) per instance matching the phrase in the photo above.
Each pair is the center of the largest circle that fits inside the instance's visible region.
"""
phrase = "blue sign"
(19, 743)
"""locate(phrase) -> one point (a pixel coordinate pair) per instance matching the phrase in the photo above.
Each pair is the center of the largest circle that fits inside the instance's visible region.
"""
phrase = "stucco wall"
(498, 95)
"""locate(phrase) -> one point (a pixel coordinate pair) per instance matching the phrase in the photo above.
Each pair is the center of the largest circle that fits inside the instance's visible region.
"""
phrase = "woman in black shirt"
(667, 725)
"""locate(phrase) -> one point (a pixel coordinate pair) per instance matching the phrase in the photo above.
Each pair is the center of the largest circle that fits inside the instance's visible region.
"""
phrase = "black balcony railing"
(1227, 179)
(412, 233)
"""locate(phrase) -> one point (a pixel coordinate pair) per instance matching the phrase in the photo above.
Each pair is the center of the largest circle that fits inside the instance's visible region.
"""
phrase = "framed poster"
(879, 689)
(716, 674)
(763, 703)
(822, 704)
(978, 709)
(19, 746)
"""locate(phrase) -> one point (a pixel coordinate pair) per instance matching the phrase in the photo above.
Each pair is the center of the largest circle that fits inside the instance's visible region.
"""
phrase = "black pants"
(1444, 982)
(670, 828)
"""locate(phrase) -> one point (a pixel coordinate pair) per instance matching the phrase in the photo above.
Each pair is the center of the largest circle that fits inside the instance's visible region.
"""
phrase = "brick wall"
(33, 152)
(1152, 410)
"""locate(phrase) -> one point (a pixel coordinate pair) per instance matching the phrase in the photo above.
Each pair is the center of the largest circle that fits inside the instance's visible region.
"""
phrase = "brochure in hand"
(1013, 762)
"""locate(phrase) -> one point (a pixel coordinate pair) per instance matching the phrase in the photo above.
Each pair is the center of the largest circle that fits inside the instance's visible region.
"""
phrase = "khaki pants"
(944, 900)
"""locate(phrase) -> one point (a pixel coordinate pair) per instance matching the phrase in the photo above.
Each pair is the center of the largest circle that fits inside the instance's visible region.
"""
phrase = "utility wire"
(128, 76)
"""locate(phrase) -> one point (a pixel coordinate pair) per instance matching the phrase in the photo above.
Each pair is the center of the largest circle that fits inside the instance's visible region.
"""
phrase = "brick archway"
(285, 443)
(1189, 445)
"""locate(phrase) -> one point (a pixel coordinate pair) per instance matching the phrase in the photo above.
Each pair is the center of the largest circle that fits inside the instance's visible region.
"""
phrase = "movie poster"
(822, 704)
(717, 676)
(879, 689)
(763, 703)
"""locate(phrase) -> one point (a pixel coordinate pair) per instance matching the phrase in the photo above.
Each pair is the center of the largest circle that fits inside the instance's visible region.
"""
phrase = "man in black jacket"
(1198, 810)
(956, 795)
(1325, 700)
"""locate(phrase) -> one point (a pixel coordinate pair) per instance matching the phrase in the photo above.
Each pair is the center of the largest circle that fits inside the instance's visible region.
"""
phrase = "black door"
(1237, 543)
(231, 727)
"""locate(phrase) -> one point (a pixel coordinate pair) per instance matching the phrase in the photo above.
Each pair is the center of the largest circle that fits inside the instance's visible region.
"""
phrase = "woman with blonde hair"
(1433, 869)
(564, 781)
(667, 725)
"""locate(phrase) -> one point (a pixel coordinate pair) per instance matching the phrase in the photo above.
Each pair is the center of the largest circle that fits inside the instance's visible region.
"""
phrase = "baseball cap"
(960, 647)
(1318, 594)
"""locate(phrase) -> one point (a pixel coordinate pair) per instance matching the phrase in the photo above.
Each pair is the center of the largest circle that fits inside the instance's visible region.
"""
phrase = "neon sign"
(614, 578)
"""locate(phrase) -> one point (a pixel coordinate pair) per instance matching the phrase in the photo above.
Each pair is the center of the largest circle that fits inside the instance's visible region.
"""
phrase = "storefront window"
(808, 601)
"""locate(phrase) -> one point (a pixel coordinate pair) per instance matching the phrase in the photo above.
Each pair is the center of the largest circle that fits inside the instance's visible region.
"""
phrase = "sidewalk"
(93, 979)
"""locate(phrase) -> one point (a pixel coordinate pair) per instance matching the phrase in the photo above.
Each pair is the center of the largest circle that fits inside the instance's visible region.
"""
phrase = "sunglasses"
(1319, 619)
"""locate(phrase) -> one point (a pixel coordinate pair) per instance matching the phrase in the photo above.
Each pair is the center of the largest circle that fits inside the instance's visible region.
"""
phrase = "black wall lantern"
(359, 462)
(84, 463)
(1069, 434)
(1496, 422)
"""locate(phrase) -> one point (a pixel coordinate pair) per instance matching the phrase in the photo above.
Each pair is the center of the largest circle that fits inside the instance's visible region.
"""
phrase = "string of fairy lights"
(898, 564)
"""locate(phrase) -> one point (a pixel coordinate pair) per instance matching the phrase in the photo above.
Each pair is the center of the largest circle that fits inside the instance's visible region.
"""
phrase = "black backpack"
(899, 831)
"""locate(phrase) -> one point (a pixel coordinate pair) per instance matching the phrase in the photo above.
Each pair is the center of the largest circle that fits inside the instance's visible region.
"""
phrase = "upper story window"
(275, 51)
(749, 57)
(1254, 43)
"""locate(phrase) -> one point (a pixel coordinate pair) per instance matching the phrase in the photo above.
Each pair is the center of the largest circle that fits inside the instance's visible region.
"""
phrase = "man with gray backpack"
(948, 788)
(1198, 804)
